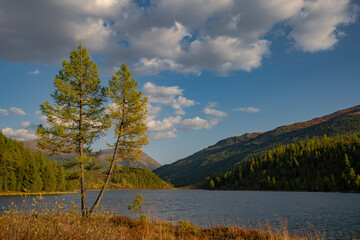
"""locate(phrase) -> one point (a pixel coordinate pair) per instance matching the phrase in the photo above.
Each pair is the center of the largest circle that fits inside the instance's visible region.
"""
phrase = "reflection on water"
(338, 214)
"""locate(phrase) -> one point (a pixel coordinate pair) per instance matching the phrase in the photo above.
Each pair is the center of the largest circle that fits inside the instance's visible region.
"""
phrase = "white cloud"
(160, 94)
(183, 36)
(21, 134)
(25, 124)
(169, 96)
(3, 112)
(166, 124)
(180, 112)
(209, 110)
(29, 125)
(195, 123)
(97, 7)
(17, 111)
(168, 127)
(153, 112)
(162, 135)
(181, 102)
(154, 66)
(224, 54)
(35, 72)
(247, 109)
(316, 27)
(93, 33)
(161, 42)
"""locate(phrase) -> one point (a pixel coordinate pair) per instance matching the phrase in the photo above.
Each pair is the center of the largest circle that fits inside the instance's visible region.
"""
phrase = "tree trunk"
(81, 150)
(108, 175)
(96, 204)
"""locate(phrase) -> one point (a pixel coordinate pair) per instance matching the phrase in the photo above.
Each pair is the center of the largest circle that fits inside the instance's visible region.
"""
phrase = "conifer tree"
(77, 117)
(128, 114)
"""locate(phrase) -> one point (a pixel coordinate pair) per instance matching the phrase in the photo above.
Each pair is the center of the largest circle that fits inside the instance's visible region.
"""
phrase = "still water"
(337, 214)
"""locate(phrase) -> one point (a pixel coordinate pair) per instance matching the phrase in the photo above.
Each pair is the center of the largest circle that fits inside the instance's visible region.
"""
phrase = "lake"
(337, 214)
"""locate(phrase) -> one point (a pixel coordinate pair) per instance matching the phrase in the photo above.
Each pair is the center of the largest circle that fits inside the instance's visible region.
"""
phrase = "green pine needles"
(78, 117)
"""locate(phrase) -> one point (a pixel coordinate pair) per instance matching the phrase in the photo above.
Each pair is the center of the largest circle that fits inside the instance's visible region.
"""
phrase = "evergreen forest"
(22, 170)
(316, 164)
(136, 178)
(25, 171)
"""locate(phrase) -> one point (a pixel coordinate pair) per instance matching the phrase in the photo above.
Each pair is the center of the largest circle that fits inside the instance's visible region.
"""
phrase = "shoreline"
(34, 193)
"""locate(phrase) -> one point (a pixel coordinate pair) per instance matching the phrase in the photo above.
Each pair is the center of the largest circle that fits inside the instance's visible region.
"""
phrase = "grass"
(33, 193)
(73, 226)
(62, 222)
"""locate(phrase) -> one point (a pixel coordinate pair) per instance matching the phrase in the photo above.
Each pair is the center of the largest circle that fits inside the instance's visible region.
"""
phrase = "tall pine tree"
(127, 114)
(77, 117)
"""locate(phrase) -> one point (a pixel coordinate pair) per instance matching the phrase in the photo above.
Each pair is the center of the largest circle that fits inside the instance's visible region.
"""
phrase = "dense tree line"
(317, 164)
(136, 178)
(22, 170)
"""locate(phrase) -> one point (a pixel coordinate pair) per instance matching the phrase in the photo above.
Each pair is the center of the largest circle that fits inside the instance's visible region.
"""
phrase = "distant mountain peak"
(145, 161)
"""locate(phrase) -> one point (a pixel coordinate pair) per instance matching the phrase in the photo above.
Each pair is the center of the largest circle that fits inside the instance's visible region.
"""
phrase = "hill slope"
(326, 164)
(136, 178)
(22, 170)
(227, 153)
(145, 161)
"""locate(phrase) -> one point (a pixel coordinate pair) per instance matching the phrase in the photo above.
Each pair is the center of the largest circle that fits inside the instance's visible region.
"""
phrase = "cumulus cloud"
(3, 112)
(169, 96)
(317, 26)
(94, 33)
(154, 66)
(20, 134)
(210, 110)
(28, 125)
(172, 96)
(247, 109)
(162, 135)
(183, 36)
(35, 72)
(167, 128)
(17, 111)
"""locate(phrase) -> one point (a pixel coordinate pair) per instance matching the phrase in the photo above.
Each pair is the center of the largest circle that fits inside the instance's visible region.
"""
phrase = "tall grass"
(33, 220)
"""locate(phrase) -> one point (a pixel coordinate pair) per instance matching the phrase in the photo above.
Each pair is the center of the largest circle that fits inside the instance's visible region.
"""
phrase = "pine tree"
(128, 114)
(77, 117)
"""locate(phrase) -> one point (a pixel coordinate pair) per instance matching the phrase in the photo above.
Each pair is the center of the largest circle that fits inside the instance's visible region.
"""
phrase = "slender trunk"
(82, 182)
(108, 175)
(81, 147)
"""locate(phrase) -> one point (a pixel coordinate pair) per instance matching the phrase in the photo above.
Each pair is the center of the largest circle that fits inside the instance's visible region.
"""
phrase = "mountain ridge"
(227, 153)
(145, 161)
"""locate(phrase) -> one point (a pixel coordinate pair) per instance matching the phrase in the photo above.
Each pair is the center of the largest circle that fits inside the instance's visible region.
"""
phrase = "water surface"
(337, 214)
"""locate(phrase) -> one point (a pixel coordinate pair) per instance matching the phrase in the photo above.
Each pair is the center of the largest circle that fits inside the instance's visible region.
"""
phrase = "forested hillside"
(25, 171)
(136, 178)
(228, 153)
(22, 170)
(326, 164)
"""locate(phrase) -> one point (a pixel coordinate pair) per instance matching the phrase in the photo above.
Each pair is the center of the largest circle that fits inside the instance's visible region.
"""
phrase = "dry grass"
(40, 223)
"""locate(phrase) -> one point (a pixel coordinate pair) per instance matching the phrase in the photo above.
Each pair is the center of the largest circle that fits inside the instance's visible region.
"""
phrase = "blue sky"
(211, 69)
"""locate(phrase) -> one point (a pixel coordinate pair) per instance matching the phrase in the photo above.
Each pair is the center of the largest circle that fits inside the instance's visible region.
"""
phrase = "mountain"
(316, 164)
(145, 161)
(229, 152)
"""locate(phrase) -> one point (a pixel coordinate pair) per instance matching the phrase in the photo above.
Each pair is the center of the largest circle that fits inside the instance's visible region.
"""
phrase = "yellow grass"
(33, 193)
